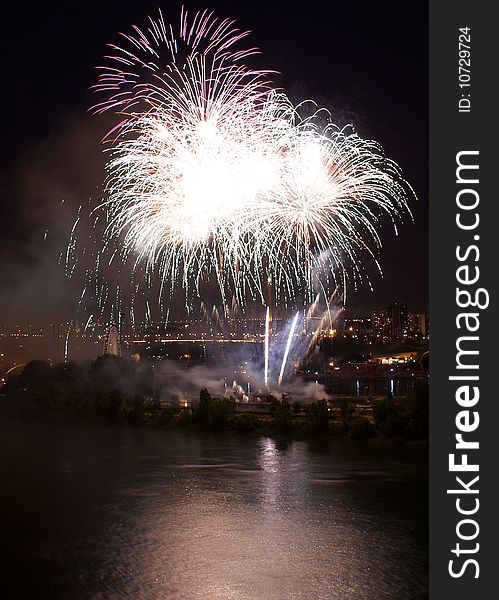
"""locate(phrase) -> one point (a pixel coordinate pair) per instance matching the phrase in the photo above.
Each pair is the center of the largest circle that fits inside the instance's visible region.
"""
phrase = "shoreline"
(31, 413)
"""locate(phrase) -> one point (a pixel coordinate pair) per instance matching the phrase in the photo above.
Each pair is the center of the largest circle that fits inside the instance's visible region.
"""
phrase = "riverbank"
(393, 422)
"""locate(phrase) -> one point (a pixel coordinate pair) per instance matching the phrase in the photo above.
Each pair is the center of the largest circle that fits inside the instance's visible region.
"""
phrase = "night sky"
(367, 62)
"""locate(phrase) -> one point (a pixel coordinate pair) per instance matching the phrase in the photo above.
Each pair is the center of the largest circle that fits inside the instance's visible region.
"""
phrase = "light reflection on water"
(110, 513)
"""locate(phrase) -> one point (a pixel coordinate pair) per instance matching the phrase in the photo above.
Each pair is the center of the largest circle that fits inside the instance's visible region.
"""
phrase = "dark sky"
(366, 61)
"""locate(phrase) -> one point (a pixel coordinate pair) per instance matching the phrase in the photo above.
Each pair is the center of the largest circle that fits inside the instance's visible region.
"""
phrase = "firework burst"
(212, 170)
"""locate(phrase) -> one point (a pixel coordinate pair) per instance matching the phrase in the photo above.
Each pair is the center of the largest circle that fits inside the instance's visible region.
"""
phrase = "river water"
(144, 514)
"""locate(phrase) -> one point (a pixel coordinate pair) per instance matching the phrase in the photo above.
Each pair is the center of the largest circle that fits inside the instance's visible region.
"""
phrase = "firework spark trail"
(286, 351)
(213, 174)
(311, 312)
(327, 210)
(190, 144)
(66, 341)
(267, 336)
(313, 307)
(88, 322)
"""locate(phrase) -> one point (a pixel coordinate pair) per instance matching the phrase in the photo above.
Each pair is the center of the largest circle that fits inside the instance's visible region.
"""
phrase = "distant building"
(112, 343)
(381, 325)
(356, 327)
(397, 313)
(418, 324)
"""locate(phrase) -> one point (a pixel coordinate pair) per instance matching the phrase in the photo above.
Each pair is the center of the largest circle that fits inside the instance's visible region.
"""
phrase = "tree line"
(119, 390)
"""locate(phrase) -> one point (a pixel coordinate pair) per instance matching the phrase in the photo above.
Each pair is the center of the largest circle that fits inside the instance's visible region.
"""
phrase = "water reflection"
(143, 514)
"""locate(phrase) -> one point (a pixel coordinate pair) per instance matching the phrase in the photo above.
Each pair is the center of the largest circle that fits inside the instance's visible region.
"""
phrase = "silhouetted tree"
(318, 416)
(111, 405)
(136, 415)
(246, 422)
(282, 421)
(221, 410)
(418, 412)
(36, 376)
(202, 412)
(166, 416)
(360, 428)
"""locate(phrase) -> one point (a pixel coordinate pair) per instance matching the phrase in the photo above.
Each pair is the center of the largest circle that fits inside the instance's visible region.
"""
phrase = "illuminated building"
(397, 313)
(418, 324)
(381, 326)
(112, 343)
